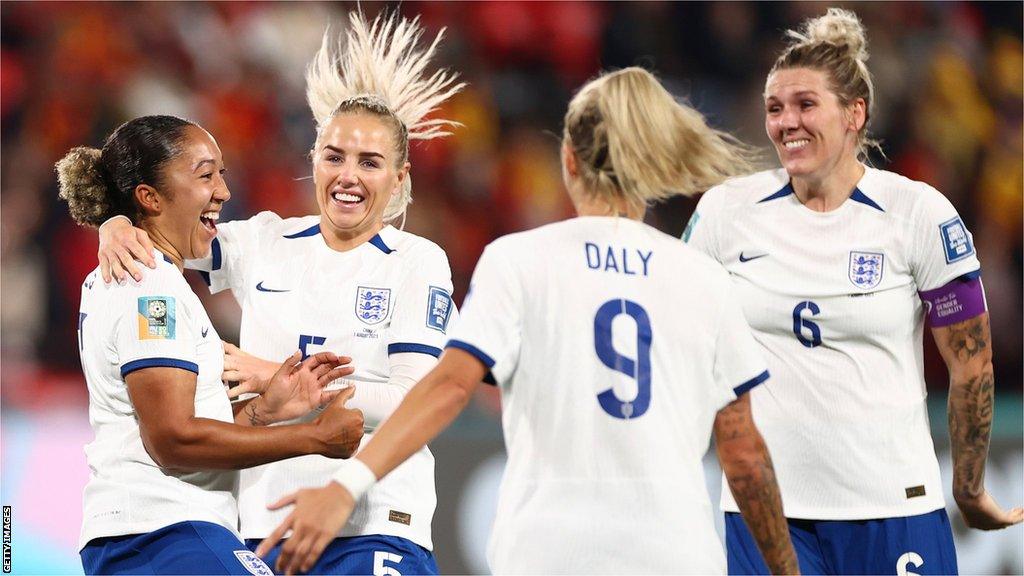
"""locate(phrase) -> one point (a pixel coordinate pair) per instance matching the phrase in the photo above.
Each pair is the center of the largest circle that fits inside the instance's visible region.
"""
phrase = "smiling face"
(194, 192)
(356, 172)
(810, 128)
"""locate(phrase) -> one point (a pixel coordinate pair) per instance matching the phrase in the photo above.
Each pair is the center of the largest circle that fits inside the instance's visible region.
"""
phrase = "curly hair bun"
(83, 186)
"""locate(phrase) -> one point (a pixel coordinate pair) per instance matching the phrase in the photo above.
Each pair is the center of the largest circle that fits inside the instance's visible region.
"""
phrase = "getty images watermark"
(7, 539)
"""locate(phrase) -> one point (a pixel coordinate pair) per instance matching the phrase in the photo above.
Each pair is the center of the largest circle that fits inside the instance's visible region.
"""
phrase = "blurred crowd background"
(949, 82)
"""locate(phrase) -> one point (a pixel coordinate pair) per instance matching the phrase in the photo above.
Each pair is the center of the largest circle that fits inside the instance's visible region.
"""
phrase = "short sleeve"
(153, 328)
(942, 249)
(424, 309)
(491, 325)
(699, 233)
(226, 266)
(739, 364)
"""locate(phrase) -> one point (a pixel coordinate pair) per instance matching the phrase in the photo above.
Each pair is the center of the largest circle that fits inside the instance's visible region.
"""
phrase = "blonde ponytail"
(635, 142)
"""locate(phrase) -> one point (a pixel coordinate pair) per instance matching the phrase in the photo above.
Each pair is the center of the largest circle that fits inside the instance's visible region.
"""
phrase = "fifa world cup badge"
(156, 318)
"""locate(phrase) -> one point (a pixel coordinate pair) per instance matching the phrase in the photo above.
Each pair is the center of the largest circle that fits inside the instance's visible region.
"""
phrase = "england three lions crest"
(372, 304)
(866, 269)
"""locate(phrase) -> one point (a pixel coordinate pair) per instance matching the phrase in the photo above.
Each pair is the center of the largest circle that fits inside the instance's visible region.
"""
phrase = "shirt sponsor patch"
(955, 240)
(915, 491)
(372, 304)
(439, 309)
(866, 269)
(400, 517)
(253, 563)
(156, 318)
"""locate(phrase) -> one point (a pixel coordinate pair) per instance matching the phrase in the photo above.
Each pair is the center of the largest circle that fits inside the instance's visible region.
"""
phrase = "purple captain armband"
(959, 300)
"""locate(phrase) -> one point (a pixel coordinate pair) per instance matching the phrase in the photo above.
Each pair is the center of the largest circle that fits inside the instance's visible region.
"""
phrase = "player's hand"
(295, 389)
(121, 244)
(340, 429)
(318, 516)
(252, 374)
(984, 513)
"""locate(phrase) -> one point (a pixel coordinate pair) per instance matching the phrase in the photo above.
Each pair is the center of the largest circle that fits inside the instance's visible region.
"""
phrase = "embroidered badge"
(955, 240)
(253, 563)
(372, 304)
(156, 318)
(866, 269)
(439, 309)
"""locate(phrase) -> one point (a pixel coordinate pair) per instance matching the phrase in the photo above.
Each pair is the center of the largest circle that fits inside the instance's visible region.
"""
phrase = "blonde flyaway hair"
(379, 68)
(636, 142)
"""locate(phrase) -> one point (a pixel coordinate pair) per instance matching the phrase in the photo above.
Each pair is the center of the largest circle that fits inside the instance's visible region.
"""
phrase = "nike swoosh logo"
(205, 331)
(744, 259)
(262, 289)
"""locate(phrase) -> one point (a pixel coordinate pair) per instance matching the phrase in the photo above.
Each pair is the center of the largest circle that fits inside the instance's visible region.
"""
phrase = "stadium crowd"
(949, 114)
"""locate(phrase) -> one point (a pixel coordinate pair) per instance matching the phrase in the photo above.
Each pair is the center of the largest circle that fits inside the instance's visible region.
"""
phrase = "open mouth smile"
(347, 198)
(209, 220)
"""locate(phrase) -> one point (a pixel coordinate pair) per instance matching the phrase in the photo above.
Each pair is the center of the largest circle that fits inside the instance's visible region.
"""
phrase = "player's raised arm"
(967, 349)
(748, 469)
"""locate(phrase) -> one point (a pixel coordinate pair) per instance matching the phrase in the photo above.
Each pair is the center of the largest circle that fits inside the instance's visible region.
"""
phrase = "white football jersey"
(614, 346)
(391, 295)
(158, 322)
(833, 300)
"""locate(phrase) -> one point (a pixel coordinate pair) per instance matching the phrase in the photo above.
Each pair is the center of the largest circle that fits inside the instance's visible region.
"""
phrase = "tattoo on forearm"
(254, 418)
(756, 491)
(971, 398)
(970, 425)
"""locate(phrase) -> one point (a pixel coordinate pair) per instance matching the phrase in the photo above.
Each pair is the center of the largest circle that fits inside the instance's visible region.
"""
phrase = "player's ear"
(148, 199)
(856, 114)
(403, 173)
(569, 159)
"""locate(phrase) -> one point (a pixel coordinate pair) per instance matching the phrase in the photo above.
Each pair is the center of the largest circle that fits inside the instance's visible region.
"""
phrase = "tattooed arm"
(748, 469)
(966, 348)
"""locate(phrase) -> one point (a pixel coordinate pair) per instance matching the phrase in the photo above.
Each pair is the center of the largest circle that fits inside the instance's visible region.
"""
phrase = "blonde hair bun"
(838, 27)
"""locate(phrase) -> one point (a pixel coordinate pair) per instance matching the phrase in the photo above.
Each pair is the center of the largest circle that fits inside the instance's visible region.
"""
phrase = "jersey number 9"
(638, 369)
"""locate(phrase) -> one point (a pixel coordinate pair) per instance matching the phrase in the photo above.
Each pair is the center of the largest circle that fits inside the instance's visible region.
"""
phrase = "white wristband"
(356, 477)
(115, 217)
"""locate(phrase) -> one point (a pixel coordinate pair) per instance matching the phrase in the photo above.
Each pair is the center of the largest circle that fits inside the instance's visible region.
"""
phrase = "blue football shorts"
(901, 546)
(375, 554)
(182, 548)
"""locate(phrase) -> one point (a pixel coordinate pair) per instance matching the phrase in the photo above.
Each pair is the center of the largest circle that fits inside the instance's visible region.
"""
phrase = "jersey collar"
(857, 196)
(383, 240)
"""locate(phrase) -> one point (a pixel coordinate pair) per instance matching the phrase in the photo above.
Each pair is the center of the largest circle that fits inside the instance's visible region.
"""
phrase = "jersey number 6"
(638, 369)
(800, 324)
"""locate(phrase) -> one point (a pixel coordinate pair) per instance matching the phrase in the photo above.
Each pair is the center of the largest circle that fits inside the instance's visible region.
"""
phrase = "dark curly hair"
(98, 184)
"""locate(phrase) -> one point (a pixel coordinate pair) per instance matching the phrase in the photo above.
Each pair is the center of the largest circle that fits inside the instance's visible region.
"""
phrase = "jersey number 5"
(638, 369)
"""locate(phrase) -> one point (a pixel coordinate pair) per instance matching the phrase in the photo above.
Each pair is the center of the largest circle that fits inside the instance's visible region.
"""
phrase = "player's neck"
(588, 204)
(345, 240)
(828, 192)
(162, 243)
